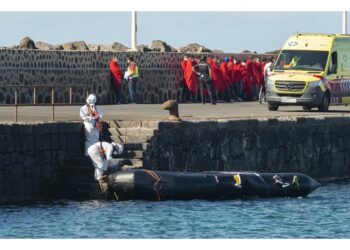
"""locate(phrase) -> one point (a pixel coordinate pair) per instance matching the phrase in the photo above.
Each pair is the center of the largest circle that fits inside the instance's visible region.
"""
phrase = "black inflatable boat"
(157, 185)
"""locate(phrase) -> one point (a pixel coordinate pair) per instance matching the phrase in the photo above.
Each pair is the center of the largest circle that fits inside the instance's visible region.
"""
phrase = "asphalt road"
(238, 110)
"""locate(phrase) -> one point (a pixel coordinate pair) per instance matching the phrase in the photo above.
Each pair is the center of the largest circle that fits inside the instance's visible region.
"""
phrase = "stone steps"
(136, 146)
(135, 136)
(131, 154)
(139, 131)
(131, 139)
(133, 124)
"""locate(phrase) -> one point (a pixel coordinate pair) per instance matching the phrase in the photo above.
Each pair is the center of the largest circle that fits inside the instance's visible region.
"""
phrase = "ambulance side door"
(344, 69)
(333, 78)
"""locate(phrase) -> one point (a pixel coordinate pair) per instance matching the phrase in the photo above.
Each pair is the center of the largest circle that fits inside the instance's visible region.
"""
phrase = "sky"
(230, 31)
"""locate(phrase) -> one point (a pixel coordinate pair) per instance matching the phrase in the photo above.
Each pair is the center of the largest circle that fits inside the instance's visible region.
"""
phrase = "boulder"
(94, 47)
(143, 48)
(193, 48)
(78, 45)
(160, 46)
(106, 47)
(47, 46)
(27, 43)
(119, 47)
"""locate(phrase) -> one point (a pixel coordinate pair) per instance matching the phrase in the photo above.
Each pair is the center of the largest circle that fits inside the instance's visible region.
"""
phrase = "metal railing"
(35, 102)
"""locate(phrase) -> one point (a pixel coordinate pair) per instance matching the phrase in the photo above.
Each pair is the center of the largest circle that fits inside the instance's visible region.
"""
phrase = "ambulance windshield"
(302, 60)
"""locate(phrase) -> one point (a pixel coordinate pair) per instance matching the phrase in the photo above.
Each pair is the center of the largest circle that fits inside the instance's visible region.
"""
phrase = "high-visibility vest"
(136, 71)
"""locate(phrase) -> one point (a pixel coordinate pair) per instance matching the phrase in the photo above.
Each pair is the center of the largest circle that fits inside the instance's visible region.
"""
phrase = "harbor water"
(323, 214)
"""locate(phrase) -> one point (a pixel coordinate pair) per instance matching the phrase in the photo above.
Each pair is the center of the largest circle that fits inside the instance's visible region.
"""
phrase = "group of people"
(131, 75)
(99, 151)
(228, 80)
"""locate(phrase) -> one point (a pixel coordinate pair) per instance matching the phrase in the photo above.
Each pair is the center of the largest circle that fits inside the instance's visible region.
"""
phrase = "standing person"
(91, 114)
(215, 75)
(132, 75)
(116, 77)
(268, 69)
(185, 91)
(101, 156)
(225, 80)
(247, 86)
(238, 69)
(203, 71)
(267, 73)
(191, 78)
(256, 77)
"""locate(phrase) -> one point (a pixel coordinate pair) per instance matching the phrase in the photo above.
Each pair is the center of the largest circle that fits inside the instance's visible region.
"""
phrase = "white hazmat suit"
(90, 118)
(99, 161)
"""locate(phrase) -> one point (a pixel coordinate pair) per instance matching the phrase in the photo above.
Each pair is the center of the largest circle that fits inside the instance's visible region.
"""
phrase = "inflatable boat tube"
(157, 185)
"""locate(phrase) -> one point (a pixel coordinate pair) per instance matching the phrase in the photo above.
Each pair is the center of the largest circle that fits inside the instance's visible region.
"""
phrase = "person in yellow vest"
(132, 75)
(295, 61)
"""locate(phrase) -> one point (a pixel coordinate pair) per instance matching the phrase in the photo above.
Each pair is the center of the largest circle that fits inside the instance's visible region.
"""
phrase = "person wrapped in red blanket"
(116, 77)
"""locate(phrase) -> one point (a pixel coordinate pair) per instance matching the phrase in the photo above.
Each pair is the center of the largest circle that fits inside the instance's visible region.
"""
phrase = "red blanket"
(116, 73)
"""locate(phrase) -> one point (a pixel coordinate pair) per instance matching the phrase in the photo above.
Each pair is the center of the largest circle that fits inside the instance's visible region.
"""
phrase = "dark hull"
(155, 185)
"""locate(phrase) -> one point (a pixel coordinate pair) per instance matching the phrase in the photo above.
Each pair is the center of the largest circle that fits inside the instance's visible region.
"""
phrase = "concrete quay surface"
(139, 112)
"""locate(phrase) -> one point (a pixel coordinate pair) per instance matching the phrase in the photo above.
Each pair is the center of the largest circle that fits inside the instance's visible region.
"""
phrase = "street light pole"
(133, 31)
(345, 23)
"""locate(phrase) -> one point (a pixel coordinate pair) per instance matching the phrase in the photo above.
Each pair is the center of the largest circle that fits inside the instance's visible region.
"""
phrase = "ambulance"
(312, 71)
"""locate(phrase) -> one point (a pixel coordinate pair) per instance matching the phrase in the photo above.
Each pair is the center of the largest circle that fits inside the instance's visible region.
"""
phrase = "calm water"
(323, 214)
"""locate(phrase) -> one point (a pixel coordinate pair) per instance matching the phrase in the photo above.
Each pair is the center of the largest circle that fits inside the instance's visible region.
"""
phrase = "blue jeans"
(117, 91)
(132, 89)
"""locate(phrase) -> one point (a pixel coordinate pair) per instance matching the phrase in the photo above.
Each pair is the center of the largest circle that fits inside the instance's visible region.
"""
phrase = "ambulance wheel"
(272, 107)
(324, 106)
(307, 108)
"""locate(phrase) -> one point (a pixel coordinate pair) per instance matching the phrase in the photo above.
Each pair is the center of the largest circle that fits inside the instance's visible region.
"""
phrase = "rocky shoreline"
(156, 46)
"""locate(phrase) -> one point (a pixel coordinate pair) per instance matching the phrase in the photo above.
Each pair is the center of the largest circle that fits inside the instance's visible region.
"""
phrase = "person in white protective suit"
(90, 114)
(101, 155)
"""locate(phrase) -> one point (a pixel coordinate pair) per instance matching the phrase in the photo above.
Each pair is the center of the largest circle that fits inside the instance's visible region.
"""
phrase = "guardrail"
(35, 103)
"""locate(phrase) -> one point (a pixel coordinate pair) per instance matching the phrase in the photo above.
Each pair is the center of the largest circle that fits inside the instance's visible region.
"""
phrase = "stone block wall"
(86, 71)
(319, 147)
(31, 156)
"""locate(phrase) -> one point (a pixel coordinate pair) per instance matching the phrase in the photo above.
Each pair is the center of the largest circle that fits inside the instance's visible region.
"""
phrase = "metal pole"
(34, 95)
(53, 103)
(70, 95)
(133, 31)
(345, 23)
(16, 106)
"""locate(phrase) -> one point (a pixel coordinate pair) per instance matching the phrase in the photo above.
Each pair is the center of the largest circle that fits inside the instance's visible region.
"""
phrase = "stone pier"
(41, 161)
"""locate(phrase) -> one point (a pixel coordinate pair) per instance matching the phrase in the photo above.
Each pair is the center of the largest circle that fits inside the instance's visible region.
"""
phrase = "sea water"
(323, 214)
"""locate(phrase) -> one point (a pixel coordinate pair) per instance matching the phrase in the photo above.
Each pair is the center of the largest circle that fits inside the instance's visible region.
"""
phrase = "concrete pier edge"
(33, 155)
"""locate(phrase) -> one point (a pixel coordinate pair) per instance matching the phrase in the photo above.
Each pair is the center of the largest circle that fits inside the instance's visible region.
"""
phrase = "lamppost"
(133, 31)
(345, 23)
